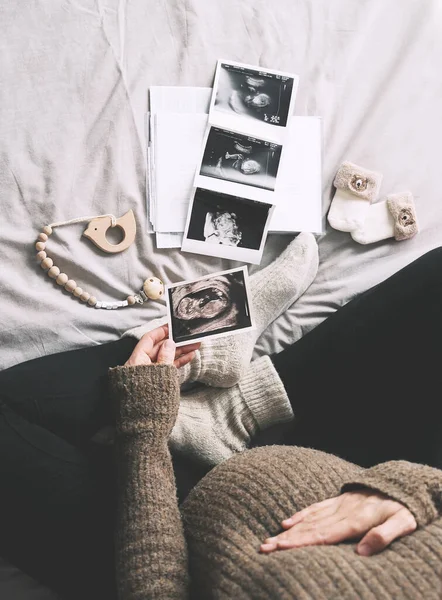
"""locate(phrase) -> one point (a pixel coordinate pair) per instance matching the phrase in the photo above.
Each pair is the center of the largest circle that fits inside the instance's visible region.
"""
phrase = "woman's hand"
(154, 347)
(353, 515)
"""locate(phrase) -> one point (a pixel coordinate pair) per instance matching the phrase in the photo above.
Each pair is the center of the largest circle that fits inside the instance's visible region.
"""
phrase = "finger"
(319, 536)
(186, 349)
(138, 358)
(166, 353)
(307, 526)
(266, 548)
(377, 539)
(183, 360)
(329, 505)
(314, 530)
(155, 335)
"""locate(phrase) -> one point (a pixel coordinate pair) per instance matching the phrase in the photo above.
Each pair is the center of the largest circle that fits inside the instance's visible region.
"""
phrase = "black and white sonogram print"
(228, 220)
(258, 94)
(241, 159)
(208, 306)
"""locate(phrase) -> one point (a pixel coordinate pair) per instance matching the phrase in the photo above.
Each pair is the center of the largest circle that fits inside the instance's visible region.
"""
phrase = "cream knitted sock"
(355, 187)
(214, 424)
(221, 362)
(394, 217)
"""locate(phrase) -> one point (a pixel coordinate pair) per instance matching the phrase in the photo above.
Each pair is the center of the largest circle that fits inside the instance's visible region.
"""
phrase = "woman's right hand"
(155, 348)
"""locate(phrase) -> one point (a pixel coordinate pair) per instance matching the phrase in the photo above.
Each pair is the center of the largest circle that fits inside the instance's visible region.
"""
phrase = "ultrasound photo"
(227, 226)
(258, 94)
(213, 305)
(241, 159)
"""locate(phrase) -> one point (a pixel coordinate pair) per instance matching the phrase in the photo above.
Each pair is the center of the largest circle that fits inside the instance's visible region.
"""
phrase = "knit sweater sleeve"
(151, 551)
(418, 487)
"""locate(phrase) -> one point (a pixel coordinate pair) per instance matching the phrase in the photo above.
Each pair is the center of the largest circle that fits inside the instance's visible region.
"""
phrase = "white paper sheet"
(177, 140)
(169, 240)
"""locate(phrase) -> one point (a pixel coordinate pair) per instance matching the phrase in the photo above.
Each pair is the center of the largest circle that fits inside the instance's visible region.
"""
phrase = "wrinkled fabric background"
(74, 77)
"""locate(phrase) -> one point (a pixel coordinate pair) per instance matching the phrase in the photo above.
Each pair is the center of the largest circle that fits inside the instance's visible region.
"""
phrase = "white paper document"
(177, 141)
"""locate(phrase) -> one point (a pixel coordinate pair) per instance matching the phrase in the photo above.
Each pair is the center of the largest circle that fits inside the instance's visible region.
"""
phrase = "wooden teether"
(97, 229)
(153, 288)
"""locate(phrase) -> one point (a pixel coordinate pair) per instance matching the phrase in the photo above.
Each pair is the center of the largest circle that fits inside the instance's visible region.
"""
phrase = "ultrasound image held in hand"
(208, 306)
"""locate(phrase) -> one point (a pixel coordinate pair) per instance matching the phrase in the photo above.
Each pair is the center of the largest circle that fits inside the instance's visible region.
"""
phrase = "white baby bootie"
(394, 217)
(356, 188)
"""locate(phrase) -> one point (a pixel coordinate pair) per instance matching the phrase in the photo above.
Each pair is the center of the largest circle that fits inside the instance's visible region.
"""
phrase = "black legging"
(366, 383)
(57, 497)
(363, 384)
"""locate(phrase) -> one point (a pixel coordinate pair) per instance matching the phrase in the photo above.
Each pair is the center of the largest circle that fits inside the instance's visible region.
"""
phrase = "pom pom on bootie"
(394, 217)
(356, 187)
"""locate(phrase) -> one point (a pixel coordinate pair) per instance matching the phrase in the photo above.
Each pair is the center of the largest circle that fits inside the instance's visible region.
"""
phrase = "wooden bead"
(43, 237)
(46, 263)
(47, 230)
(40, 246)
(85, 297)
(62, 279)
(92, 301)
(70, 285)
(41, 255)
(78, 291)
(130, 300)
(54, 272)
(153, 288)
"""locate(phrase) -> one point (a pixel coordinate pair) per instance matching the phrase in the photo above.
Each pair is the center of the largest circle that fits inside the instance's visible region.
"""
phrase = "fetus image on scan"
(252, 93)
(222, 228)
(242, 159)
(227, 220)
(211, 305)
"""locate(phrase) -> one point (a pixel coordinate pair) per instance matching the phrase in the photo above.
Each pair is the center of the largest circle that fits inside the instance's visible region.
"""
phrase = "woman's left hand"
(154, 347)
(353, 515)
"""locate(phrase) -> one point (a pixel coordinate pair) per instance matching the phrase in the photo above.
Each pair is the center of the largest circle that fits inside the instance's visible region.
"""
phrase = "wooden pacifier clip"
(153, 288)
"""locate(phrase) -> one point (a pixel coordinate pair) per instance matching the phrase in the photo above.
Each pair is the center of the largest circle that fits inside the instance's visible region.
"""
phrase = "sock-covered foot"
(220, 362)
(214, 424)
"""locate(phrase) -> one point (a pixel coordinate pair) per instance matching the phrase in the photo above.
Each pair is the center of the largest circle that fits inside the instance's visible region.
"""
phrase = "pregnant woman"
(273, 522)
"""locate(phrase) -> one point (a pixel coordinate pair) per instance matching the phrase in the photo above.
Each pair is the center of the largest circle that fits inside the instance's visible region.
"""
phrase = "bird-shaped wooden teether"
(153, 288)
(97, 229)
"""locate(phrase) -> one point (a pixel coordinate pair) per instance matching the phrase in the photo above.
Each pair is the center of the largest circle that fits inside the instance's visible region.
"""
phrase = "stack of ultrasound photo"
(236, 136)
(233, 198)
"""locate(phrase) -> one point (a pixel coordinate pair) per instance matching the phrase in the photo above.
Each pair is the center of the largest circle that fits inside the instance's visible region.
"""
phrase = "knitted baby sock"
(220, 362)
(355, 187)
(395, 217)
(213, 424)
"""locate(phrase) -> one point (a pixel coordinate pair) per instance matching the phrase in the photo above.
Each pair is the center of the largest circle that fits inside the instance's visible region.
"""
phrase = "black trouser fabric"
(366, 384)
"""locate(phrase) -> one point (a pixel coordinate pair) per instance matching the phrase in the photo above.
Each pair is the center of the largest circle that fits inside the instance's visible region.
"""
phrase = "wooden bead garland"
(153, 288)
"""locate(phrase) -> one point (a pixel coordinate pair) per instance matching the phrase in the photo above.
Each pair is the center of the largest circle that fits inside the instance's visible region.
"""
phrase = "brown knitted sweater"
(243, 501)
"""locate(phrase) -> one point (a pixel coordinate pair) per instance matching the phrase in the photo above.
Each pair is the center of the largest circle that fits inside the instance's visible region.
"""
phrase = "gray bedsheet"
(73, 84)
(74, 76)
